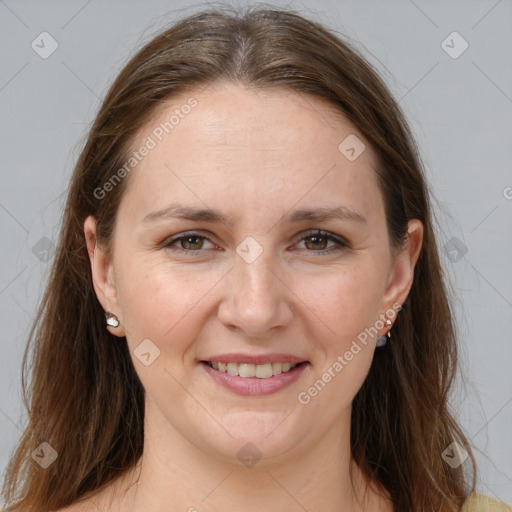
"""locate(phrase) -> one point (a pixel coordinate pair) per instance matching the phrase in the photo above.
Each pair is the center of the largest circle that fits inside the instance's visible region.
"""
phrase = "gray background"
(459, 109)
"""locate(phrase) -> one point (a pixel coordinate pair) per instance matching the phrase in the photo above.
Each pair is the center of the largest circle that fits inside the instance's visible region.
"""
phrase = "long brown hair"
(85, 399)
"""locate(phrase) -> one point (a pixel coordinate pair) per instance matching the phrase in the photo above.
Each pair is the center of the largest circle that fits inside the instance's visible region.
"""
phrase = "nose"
(256, 298)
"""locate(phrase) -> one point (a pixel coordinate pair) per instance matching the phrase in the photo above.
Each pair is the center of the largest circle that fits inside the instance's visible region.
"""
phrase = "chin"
(260, 437)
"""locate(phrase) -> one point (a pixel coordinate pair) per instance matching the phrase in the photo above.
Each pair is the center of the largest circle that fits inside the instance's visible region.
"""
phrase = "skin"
(255, 156)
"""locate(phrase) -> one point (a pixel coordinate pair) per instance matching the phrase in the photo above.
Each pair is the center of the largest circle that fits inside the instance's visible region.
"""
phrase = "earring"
(111, 319)
(382, 340)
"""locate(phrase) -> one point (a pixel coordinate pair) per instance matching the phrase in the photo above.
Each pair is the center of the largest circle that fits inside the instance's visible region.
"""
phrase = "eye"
(317, 241)
(187, 242)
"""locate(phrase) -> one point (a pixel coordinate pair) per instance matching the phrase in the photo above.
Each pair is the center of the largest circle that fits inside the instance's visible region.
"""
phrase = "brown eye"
(317, 242)
(187, 242)
(191, 242)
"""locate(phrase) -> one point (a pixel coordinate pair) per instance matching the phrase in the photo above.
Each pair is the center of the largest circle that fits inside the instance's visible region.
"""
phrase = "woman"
(246, 309)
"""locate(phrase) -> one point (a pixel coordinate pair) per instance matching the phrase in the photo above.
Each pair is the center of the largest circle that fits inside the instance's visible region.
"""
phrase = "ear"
(102, 275)
(402, 273)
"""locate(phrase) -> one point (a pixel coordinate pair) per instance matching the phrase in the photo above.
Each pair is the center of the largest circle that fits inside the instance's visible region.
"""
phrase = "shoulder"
(480, 503)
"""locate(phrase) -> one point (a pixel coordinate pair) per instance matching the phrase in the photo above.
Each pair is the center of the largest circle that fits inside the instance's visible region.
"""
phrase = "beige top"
(479, 503)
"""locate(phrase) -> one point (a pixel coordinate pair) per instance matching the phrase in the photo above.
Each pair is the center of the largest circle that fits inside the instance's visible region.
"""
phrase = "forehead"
(233, 146)
(226, 112)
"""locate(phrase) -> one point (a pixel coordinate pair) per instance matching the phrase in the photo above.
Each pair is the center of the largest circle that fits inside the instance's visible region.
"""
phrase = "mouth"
(251, 379)
(250, 370)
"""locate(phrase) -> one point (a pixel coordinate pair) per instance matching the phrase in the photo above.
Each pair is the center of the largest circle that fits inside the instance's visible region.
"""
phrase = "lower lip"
(252, 386)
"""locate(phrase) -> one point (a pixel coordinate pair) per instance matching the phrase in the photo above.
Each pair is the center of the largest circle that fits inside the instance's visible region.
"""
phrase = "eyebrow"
(178, 211)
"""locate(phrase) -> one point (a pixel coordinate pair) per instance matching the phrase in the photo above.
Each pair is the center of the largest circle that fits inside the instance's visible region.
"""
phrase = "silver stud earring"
(111, 319)
(382, 340)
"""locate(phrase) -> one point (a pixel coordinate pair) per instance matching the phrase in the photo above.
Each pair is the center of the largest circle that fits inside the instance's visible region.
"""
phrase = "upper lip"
(255, 359)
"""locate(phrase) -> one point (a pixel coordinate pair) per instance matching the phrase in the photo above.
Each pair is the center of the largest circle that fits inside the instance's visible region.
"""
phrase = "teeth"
(233, 368)
(260, 371)
(263, 371)
(247, 370)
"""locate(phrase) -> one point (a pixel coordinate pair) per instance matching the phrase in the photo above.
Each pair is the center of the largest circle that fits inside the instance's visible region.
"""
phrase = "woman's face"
(216, 259)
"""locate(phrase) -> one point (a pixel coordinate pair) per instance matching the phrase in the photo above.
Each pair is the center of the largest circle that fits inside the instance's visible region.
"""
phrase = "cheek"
(344, 301)
(341, 308)
(160, 301)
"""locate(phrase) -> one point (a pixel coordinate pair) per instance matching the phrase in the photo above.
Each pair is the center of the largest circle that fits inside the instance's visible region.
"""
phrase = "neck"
(173, 474)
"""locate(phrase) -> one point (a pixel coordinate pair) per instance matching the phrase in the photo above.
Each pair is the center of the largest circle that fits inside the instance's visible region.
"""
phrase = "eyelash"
(342, 244)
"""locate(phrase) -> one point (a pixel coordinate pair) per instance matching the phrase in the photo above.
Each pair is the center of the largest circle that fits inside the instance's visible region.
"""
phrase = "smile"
(250, 379)
(247, 370)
